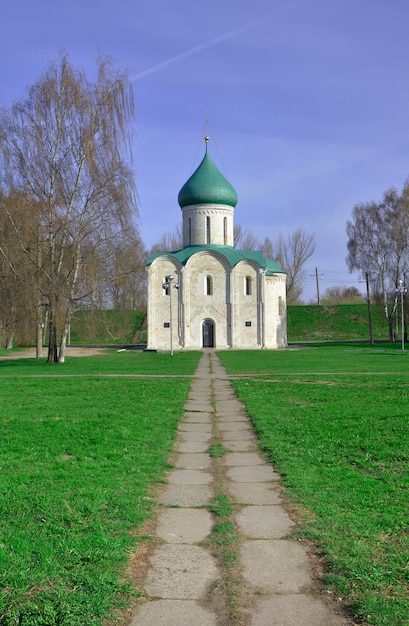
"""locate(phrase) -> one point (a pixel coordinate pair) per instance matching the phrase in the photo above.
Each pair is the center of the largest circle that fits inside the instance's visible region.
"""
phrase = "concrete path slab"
(232, 416)
(277, 566)
(185, 584)
(199, 461)
(182, 572)
(230, 406)
(198, 427)
(295, 609)
(234, 426)
(173, 613)
(237, 435)
(252, 473)
(195, 435)
(243, 458)
(184, 525)
(255, 493)
(192, 446)
(264, 522)
(186, 495)
(197, 405)
(190, 477)
(239, 445)
(198, 417)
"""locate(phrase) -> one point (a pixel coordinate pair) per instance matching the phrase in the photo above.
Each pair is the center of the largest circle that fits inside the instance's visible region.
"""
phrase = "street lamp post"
(402, 290)
(167, 285)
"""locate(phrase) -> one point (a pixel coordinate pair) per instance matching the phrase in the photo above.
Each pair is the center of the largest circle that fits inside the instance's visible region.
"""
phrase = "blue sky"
(307, 100)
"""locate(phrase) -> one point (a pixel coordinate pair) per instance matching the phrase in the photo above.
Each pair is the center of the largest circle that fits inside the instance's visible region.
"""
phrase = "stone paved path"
(186, 584)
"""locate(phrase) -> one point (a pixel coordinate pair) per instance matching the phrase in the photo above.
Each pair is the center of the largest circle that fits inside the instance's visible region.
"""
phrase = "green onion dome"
(207, 185)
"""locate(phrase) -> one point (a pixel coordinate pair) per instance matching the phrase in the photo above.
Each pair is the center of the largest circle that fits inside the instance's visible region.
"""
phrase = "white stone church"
(208, 294)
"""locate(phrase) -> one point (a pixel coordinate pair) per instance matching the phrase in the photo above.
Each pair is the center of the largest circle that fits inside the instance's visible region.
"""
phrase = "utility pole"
(318, 286)
(368, 299)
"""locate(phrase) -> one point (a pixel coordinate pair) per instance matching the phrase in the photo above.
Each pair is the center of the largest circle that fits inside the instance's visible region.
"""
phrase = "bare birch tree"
(378, 244)
(66, 148)
(169, 241)
(292, 252)
(245, 239)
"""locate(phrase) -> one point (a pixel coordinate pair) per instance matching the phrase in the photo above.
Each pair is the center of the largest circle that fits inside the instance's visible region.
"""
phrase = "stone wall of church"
(247, 313)
(246, 309)
(161, 303)
(208, 224)
(275, 311)
(206, 297)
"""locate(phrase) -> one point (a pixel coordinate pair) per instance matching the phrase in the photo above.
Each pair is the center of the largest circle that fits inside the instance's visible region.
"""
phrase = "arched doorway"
(208, 334)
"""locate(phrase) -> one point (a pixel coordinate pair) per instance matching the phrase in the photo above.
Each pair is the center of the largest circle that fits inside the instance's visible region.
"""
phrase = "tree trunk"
(39, 341)
(390, 329)
(389, 316)
(9, 340)
(52, 342)
(61, 353)
(63, 342)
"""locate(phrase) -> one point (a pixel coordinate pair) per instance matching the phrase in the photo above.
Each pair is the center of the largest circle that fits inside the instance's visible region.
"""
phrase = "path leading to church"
(238, 568)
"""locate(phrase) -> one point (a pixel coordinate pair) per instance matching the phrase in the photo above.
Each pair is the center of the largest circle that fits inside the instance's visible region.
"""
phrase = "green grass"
(217, 450)
(77, 458)
(110, 363)
(334, 422)
(221, 505)
(82, 442)
(4, 352)
(354, 358)
(335, 323)
(222, 542)
(107, 326)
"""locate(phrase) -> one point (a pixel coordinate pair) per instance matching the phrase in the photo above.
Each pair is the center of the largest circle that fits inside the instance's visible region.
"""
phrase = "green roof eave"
(232, 255)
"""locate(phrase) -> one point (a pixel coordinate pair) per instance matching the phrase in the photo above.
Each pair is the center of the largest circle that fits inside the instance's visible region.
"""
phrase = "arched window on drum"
(209, 285)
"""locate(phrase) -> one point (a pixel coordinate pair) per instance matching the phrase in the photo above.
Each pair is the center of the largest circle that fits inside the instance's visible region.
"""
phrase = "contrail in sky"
(195, 50)
(208, 44)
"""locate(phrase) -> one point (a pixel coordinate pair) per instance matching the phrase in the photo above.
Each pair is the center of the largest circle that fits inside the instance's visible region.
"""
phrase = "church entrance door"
(208, 334)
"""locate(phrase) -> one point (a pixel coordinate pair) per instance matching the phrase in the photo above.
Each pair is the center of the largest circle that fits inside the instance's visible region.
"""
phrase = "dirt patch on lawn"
(30, 353)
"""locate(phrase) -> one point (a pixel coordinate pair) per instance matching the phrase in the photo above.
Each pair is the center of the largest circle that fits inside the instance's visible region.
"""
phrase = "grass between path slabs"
(217, 450)
(223, 543)
(340, 441)
(77, 458)
(223, 538)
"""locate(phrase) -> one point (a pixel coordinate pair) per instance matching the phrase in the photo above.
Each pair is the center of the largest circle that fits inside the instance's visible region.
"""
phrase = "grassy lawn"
(334, 421)
(110, 363)
(82, 442)
(335, 322)
(79, 448)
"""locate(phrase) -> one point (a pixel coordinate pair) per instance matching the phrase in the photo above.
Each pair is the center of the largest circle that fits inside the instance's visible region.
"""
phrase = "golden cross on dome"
(207, 127)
